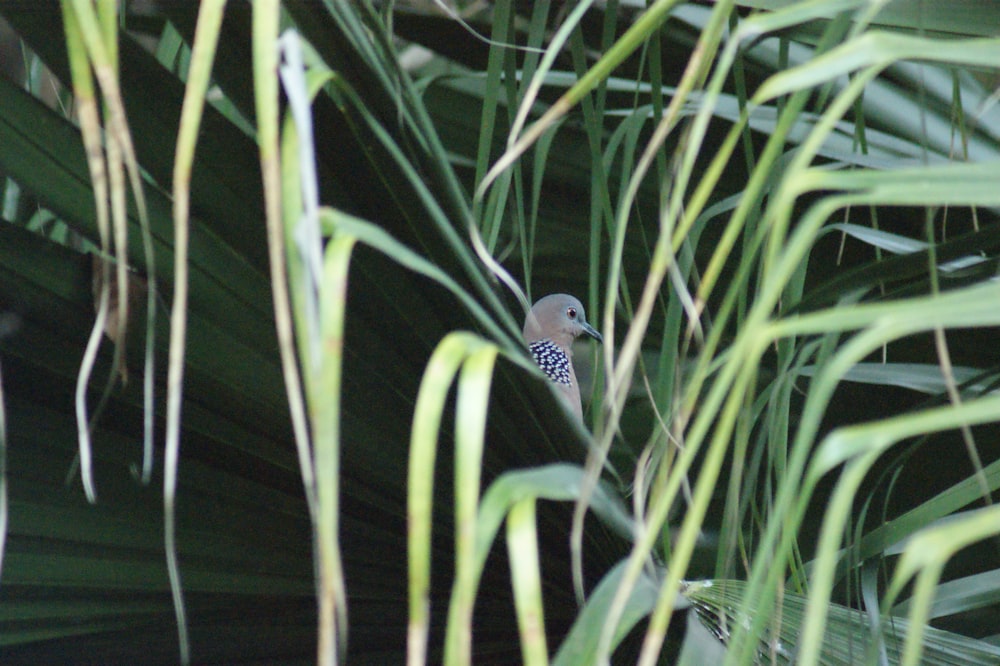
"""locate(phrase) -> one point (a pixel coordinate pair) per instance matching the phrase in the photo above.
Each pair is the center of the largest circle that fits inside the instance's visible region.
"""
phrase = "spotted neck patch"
(552, 360)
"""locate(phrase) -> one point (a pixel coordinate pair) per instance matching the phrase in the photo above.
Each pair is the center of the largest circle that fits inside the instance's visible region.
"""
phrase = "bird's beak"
(592, 332)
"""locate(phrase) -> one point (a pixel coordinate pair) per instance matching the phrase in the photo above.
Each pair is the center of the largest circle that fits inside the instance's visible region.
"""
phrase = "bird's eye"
(571, 313)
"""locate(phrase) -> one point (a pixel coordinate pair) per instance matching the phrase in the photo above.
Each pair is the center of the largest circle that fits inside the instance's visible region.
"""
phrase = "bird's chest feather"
(553, 361)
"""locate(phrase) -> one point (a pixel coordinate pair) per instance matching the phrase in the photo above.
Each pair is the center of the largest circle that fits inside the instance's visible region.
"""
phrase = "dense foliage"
(326, 220)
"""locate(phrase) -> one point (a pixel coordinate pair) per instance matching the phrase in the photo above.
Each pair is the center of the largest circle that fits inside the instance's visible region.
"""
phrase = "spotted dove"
(549, 330)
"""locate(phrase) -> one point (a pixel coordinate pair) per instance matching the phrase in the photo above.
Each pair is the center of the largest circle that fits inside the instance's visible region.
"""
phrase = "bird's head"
(560, 318)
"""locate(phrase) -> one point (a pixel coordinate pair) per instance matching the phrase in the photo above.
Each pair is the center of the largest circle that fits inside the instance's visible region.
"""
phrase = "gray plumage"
(550, 329)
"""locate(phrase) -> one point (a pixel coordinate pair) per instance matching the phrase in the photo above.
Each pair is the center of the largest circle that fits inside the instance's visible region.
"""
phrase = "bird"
(550, 328)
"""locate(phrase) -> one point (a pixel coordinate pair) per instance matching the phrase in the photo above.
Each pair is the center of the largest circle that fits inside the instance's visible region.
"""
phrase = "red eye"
(571, 313)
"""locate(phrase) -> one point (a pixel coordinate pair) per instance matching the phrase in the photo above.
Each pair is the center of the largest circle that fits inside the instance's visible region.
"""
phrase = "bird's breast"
(553, 361)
